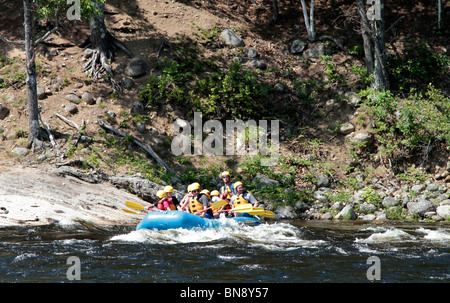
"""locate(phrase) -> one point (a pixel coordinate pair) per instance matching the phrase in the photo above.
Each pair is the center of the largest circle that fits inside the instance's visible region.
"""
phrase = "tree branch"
(146, 147)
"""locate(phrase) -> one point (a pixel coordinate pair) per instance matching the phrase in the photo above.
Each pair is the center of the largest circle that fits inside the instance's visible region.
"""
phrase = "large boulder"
(136, 68)
(443, 211)
(347, 213)
(420, 207)
(231, 38)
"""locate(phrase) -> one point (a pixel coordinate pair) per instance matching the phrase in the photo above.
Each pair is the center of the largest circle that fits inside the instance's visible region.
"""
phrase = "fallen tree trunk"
(145, 146)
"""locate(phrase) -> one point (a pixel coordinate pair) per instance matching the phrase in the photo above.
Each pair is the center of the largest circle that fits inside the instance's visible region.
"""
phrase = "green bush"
(230, 94)
(408, 124)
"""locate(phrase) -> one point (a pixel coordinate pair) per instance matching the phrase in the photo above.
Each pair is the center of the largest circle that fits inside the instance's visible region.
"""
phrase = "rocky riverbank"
(66, 195)
(421, 201)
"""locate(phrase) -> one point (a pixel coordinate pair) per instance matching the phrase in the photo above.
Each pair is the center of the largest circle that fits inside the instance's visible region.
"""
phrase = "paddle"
(249, 209)
(134, 205)
(216, 204)
(132, 212)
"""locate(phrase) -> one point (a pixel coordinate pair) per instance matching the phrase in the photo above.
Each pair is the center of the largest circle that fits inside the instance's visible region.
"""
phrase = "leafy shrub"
(417, 66)
(408, 124)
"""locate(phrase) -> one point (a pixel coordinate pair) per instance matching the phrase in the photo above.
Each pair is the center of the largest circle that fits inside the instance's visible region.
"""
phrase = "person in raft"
(164, 202)
(169, 192)
(228, 189)
(199, 202)
(184, 203)
(217, 211)
(242, 197)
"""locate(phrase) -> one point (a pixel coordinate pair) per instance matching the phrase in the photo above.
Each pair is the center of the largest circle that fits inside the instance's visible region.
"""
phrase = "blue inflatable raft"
(163, 220)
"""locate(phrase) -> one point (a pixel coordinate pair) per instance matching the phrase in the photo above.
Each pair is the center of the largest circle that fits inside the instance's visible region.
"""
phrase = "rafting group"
(231, 199)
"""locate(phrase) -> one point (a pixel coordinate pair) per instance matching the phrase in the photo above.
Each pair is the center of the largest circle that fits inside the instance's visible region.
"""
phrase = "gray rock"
(73, 98)
(140, 127)
(347, 128)
(367, 208)
(41, 93)
(301, 207)
(298, 46)
(20, 151)
(137, 108)
(284, 213)
(443, 211)
(337, 205)
(263, 181)
(231, 38)
(4, 112)
(420, 207)
(128, 83)
(347, 213)
(314, 52)
(432, 187)
(240, 59)
(259, 64)
(369, 217)
(88, 98)
(418, 188)
(360, 138)
(390, 201)
(71, 109)
(322, 181)
(79, 85)
(252, 53)
(136, 68)
(353, 98)
(326, 216)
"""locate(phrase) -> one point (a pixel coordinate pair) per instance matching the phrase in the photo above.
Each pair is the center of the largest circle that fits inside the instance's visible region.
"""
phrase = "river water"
(287, 251)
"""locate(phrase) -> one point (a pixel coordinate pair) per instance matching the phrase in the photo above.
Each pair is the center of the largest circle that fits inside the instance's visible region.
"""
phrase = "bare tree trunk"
(373, 34)
(366, 35)
(309, 22)
(381, 79)
(439, 14)
(33, 111)
(276, 12)
(104, 45)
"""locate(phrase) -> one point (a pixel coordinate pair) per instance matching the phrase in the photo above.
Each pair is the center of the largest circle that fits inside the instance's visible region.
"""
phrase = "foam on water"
(435, 235)
(278, 236)
(386, 235)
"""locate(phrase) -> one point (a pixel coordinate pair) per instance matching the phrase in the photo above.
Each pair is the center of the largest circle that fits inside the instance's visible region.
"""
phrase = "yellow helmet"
(225, 173)
(161, 194)
(194, 186)
(236, 184)
(168, 189)
(215, 193)
(206, 192)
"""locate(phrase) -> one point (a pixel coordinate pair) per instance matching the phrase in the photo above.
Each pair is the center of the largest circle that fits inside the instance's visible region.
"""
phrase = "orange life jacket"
(160, 204)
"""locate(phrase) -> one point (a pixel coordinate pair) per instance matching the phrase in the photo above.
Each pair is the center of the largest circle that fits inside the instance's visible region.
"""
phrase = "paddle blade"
(268, 214)
(243, 208)
(218, 204)
(130, 211)
(134, 205)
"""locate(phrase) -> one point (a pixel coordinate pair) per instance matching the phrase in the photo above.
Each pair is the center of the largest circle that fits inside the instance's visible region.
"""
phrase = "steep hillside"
(326, 127)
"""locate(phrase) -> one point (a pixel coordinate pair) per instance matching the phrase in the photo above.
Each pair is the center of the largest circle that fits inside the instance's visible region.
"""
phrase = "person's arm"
(252, 200)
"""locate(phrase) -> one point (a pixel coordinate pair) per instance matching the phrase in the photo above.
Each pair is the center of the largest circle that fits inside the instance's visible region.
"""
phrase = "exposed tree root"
(102, 55)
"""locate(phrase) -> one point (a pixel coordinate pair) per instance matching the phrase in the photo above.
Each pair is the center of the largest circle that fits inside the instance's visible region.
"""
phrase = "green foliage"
(407, 124)
(226, 94)
(47, 8)
(417, 66)
(371, 196)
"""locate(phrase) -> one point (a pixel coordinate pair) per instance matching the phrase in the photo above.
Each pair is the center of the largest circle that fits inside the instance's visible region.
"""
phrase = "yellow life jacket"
(240, 200)
(195, 205)
(228, 189)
